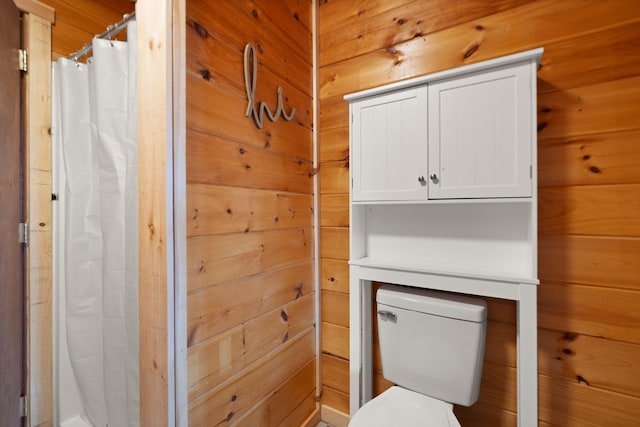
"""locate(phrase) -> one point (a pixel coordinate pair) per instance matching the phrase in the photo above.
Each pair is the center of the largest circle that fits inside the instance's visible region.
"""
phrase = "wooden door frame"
(162, 211)
(12, 258)
(37, 20)
(162, 215)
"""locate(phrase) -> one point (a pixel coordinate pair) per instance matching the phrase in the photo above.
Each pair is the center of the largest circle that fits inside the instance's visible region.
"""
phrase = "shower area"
(95, 233)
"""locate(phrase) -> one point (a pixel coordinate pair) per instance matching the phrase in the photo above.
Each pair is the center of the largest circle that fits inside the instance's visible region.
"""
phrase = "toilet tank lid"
(438, 303)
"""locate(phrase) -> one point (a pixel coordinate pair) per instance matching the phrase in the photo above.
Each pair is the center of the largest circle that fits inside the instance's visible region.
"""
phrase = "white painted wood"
(442, 281)
(356, 335)
(317, 285)
(480, 238)
(180, 210)
(479, 134)
(389, 138)
(527, 357)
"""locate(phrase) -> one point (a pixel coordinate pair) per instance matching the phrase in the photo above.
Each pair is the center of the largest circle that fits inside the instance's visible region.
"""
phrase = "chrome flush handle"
(388, 316)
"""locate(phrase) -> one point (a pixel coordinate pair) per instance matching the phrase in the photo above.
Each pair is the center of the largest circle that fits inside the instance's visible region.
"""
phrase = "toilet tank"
(432, 342)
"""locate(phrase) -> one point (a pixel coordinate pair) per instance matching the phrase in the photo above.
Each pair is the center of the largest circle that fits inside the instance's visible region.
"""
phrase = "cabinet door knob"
(421, 180)
(434, 178)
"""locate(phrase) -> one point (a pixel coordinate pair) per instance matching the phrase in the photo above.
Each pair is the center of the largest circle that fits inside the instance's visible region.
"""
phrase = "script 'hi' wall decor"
(250, 78)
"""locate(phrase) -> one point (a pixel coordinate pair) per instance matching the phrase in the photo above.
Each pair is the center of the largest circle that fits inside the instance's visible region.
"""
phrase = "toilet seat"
(399, 407)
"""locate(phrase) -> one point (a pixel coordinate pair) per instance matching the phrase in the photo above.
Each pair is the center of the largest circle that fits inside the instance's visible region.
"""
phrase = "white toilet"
(432, 347)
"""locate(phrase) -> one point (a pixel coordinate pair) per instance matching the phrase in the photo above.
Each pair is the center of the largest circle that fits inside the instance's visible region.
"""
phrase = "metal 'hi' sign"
(250, 78)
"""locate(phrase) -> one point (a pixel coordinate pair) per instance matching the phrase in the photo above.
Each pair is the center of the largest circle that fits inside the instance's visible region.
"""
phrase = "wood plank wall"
(589, 187)
(251, 316)
(37, 41)
(251, 336)
(78, 21)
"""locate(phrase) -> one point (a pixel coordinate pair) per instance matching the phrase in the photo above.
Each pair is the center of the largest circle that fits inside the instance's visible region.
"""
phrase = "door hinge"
(22, 60)
(530, 171)
(23, 233)
(24, 406)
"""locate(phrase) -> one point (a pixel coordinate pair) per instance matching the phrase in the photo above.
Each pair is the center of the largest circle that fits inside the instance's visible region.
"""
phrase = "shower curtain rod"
(112, 30)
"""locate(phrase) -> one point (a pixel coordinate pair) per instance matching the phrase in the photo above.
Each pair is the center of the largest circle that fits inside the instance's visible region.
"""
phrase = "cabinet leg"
(527, 356)
(360, 338)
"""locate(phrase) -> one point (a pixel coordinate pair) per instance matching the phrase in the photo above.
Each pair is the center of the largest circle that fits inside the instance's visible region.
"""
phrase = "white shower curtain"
(95, 129)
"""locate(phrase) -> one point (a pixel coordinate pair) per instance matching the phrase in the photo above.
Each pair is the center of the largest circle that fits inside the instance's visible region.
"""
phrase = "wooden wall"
(250, 196)
(78, 21)
(589, 187)
(250, 303)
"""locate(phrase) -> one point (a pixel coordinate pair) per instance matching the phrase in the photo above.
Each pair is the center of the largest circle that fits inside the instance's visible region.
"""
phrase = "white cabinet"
(389, 151)
(446, 136)
(444, 196)
(480, 134)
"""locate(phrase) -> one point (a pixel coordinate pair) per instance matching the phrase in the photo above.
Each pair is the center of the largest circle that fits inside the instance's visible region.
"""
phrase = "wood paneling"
(231, 123)
(596, 260)
(334, 114)
(335, 373)
(220, 258)
(335, 308)
(589, 217)
(243, 344)
(218, 308)
(280, 408)
(77, 22)
(334, 144)
(610, 54)
(488, 37)
(334, 210)
(37, 41)
(576, 403)
(334, 275)
(573, 355)
(157, 270)
(251, 311)
(562, 403)
(591, 310)
(335, 399)
(12, 262)
(334, 242)
(220, 209)
(412, 20)
(596, 361)
(570, 210)
(611, 106)
(334, 177)
(590, 159)
(240, 393)
(286, 46)
(214, 160)
(335, 340)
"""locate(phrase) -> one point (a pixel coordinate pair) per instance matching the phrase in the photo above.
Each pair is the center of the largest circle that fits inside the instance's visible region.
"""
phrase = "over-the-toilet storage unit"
(444, 196)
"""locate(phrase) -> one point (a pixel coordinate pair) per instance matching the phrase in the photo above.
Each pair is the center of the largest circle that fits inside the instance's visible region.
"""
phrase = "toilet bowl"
(432, 347)
(399, 407)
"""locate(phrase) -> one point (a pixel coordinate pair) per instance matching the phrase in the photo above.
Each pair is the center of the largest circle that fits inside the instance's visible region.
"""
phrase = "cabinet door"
(480, 134)
(388, 152)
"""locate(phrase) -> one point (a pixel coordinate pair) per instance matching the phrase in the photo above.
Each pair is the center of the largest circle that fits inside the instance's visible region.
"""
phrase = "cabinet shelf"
(449, 270)
(494, 200)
